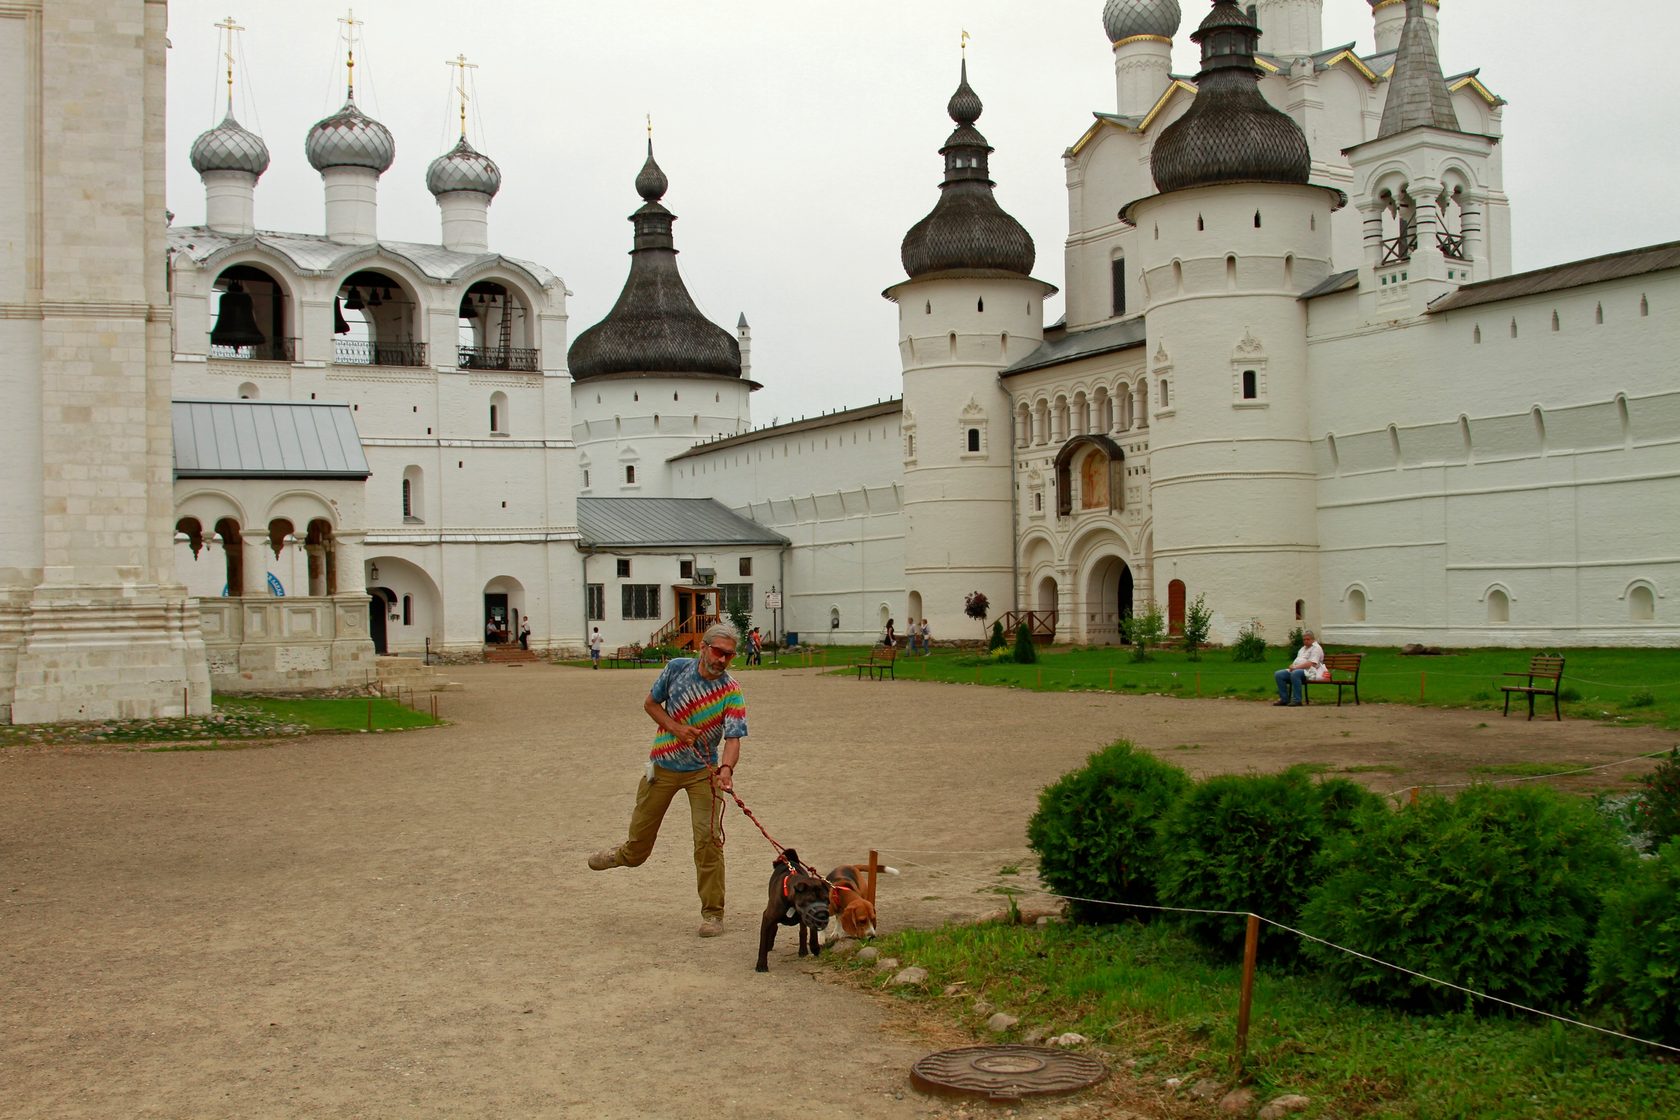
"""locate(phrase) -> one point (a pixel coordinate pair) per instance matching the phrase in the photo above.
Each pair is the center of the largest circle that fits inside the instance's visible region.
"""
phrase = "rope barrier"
(1310, 937)
(1528, 777)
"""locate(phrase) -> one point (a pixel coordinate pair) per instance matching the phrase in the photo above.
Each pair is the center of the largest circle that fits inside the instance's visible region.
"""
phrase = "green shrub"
(1297, 638)
(1095, 829)
(1640, 698)
(1636, 953)
(1659, 801)
(1002, 655)
(1250, 646)
(1025, 654)
(1497, 890)
(997, 640)
(1249, 842)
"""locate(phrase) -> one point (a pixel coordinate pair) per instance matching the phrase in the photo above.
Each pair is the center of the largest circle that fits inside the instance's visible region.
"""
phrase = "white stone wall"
(834, 488)
(93, 625)
(622, 424)
(1535, 462)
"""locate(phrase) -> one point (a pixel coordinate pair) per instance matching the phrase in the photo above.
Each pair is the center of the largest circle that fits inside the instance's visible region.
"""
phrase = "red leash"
(717, 822)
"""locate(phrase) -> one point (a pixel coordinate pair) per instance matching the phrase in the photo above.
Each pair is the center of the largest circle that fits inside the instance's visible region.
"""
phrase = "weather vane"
(965, 42)
(350, 23)
(228, 26)
(461, 65)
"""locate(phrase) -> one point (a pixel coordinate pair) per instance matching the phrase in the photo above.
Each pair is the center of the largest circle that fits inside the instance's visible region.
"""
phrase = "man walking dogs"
(697, 705)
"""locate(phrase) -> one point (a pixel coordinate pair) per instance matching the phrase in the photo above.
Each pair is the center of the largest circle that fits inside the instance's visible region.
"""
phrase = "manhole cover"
(1005, 1073)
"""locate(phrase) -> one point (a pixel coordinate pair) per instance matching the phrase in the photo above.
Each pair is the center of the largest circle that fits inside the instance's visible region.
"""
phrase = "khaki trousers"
(653, 798)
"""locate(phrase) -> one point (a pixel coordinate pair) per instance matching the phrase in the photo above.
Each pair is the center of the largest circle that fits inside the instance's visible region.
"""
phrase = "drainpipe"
(585, 553)
(781, 582)
(1014, 505)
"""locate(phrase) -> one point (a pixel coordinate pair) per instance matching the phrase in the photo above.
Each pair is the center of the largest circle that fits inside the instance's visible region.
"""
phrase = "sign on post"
(772, 601)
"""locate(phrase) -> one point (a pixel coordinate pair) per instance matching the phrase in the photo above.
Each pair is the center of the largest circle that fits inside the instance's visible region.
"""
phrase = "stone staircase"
(396, 675)
(508, 655)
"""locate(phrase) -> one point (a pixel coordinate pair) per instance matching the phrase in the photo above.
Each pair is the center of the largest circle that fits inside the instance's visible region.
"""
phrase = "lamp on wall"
(373, 572)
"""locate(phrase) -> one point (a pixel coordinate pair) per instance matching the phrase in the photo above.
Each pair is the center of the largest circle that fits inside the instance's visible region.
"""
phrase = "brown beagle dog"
(850, 914)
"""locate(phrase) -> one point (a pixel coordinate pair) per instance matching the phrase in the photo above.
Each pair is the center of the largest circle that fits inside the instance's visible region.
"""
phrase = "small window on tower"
(974, 439)
(630, 474)
(1250, 385)
(1117, 274)
(623, 567)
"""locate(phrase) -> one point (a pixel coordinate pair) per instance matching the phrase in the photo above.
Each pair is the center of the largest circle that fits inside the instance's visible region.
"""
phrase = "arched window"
(413, 495)
(1300, 610)
(1250, 385)
(499, 413)
(1642, 603)
(1166, 394)
(1498, 606)
(1356, 605)
(630, 474)
(248, 392)
(408, 610)
(974, 439)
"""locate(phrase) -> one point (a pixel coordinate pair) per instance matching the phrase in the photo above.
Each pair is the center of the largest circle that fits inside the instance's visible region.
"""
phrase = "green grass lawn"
(1632, 685)
(235, 721)
(1149, 995)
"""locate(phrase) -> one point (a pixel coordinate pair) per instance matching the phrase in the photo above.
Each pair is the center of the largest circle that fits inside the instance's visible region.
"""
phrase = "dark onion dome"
(1230, 133)
(1126, 19)
(350, 138)
(654, 327)
(966, 229)
(230, 147)
(463, 168)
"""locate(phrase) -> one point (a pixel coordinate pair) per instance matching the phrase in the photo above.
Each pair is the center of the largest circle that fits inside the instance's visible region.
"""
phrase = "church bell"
(236, 321)
(339, 325)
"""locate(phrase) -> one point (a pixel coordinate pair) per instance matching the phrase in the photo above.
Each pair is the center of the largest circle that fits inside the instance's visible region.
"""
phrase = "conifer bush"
(1636, 952)
(997, 640)
(1250, 843)
(1095, 829)
(1498, 890)
(1025, 654)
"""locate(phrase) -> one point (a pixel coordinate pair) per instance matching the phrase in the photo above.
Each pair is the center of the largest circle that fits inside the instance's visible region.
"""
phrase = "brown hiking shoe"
(605, 859)
(711, 927)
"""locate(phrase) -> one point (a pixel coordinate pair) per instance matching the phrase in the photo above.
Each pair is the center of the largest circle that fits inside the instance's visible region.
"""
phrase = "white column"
(466, 221)
(230, 202)
(352, 195)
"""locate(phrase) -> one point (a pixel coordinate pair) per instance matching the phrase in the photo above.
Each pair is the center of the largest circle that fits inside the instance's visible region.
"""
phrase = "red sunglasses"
(720, 653)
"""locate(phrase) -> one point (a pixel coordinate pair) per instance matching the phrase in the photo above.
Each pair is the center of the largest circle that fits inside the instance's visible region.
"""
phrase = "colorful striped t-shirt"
(715, 706)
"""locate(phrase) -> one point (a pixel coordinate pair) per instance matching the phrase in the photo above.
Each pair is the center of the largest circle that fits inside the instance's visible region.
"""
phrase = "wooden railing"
(1452, 245)
(683, 633)
(1041, 625)
(1398, 249)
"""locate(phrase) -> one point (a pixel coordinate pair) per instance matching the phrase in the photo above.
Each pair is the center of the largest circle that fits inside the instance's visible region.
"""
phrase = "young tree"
(1144, 628)
(997, 640)
(977, 606)
(1198, 622)
(1025, 654)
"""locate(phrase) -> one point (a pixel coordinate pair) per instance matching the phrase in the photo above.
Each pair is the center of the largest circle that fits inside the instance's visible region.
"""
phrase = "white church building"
(1295, 375)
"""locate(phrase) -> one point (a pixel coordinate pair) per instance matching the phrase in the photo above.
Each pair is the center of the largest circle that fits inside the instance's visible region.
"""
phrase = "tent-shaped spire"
(1417, 94)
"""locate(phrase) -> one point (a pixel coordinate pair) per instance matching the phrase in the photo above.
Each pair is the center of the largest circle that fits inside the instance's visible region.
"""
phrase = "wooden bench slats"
(1540, 668)
(1344, 673)
(882, 664)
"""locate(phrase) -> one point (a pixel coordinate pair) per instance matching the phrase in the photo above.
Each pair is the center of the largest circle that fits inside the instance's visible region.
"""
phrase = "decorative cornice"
(1130, 39)
(1355, 61)
(1381, 4)
(61, 310)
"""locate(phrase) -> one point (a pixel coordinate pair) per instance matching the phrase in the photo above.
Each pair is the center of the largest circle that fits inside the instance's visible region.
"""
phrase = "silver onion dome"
(350, 138)
(463, 168)
(1123, 19)
(230, 147)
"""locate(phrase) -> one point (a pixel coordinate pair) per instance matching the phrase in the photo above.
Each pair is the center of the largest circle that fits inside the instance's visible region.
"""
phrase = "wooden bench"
(1541, 669)
(881, 664)
(632, 655)
(1344, 673)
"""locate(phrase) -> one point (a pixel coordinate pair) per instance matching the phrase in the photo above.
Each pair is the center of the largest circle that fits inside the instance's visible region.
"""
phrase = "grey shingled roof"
(1575, 274)
(812, 423)
(1417, 94)
(1082, 344)
(1335, 282)
(665, 523)
(266, 439)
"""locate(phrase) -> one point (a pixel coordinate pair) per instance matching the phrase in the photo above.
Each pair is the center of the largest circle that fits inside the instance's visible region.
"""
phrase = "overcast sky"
(801, 140)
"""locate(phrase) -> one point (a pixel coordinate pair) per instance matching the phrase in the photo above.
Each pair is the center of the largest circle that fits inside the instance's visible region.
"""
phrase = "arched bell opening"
(233, 552)
(253, 316)
(322, 559)
(493, 329)
(376, 321)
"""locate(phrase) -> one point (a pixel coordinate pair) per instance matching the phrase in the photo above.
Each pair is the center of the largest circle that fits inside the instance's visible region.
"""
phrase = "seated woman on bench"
(1307, 666)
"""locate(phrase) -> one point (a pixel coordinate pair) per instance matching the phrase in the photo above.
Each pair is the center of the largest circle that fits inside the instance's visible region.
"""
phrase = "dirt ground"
(403, 925)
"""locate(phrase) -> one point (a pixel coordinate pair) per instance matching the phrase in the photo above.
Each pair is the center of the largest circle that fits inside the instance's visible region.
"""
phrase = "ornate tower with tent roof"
(968, 309)
(1234, 237)
(655, 376)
